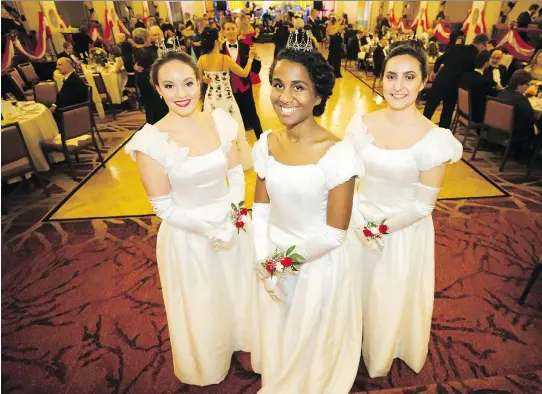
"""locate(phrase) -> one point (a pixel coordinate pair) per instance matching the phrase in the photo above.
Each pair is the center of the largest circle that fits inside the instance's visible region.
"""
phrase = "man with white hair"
(495, 71)
(156, 36)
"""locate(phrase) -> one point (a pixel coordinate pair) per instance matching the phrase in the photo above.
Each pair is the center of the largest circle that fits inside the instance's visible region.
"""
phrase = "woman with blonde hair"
(334, 34)
(535, 66)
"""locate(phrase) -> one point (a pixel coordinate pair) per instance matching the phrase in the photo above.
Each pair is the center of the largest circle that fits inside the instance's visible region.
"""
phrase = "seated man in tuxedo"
(479, 86)
(495, 71)
(73, 91)
(68, 52)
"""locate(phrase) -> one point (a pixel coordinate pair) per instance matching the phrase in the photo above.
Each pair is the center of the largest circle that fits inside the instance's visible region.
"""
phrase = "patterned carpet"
(82, 308)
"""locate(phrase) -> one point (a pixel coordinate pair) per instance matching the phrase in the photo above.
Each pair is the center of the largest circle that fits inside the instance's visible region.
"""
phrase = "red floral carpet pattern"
(82, 308)
(82, 311)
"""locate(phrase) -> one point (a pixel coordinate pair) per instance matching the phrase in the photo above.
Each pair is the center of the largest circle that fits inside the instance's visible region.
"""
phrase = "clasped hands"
(223, 236)
(271, 283)
(375, 245)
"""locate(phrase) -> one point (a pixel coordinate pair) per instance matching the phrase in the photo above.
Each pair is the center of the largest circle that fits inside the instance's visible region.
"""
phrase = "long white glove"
(321, 244)
(260, 231)
(236, 182)
(422, 206)
(165, 208)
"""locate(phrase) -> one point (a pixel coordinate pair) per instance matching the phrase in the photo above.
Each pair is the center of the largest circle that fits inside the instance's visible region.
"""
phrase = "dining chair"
(45, 93)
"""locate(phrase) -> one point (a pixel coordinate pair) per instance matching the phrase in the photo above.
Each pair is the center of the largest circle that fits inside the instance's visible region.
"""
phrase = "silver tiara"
(163, 50)
(300, 41)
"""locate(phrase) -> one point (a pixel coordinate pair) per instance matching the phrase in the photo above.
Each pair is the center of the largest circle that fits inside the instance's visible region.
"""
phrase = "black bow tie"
(232, 45)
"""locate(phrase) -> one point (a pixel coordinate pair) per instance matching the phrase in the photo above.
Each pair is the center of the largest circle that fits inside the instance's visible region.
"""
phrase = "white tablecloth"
(114, 83)
(37, 124)
(536, 102)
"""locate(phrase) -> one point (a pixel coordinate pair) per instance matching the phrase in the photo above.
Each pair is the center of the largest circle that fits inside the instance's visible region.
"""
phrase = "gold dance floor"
(117, 191)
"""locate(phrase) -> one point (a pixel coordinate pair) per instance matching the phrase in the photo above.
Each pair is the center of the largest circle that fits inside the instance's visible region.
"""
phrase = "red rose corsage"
(238, 216)
(280, 263)
(374, 231)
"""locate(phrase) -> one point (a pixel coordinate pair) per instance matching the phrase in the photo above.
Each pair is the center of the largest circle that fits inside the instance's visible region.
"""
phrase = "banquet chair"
(535, 153)
(16, 159)
(45, 93)
(18, 81)
(89, 98)
(104, 94)
(498, 116)
(28, 73)
(76, 133)
(463, 115)
(134, 90)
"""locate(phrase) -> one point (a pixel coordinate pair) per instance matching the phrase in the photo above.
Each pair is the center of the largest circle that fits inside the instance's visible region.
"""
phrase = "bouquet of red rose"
(238, 216)
(372, 233)
(274, 268)
(280, 263)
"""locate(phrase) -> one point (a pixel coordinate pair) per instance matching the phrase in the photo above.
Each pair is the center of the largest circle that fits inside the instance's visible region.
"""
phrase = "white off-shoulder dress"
(207, 293)
(311, 342)
(397, 284)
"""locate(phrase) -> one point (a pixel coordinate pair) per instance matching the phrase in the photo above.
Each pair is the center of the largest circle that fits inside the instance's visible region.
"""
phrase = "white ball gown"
(311, 342)
(397, 284)
(207, 293)
(220, 95)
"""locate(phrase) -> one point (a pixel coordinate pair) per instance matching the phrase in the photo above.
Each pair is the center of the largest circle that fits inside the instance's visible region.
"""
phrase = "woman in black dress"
(144, 57)
(335, 45)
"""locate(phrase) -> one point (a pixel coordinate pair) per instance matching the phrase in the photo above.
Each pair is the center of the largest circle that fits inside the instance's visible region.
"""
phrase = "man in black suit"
(379, 55)
(68, 52)
(526, 18)
(458, 61)
(140, 23)
(73, 91)
(495, 71)
(480, 86)
(242, 87)
(316, 25)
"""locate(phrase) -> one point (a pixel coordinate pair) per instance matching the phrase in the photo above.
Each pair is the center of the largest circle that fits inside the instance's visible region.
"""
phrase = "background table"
(114, 83)
(37, 124)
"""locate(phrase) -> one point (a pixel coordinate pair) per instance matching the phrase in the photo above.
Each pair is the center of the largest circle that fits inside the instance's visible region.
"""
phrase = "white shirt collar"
(479, 71)
(67, 75)
(233, 51)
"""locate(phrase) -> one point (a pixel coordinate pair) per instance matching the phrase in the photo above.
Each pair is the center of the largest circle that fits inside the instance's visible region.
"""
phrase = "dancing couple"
(319, 265)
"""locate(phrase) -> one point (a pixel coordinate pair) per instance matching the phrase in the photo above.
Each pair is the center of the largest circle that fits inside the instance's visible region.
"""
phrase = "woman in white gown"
(308, 334)
(204, 255)
(405, 157)
(216, 67)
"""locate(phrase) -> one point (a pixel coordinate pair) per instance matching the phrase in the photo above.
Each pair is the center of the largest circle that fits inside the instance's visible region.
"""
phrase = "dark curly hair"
(208, 38)
(413, 48)
(319, 70)
(171, 56)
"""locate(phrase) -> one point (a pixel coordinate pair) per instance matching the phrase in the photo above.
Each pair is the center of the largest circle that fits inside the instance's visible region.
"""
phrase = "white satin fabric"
(398, 283)
(220, 95)
(207, 293)
(309, 343)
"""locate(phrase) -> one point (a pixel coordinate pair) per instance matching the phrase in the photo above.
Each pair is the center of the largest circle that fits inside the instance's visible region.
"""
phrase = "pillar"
(375, 8)
(49, 9)
(351, 9)
(99, 8)
(164, 10)
(477, 8)
(492, 12)
(140, 8)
